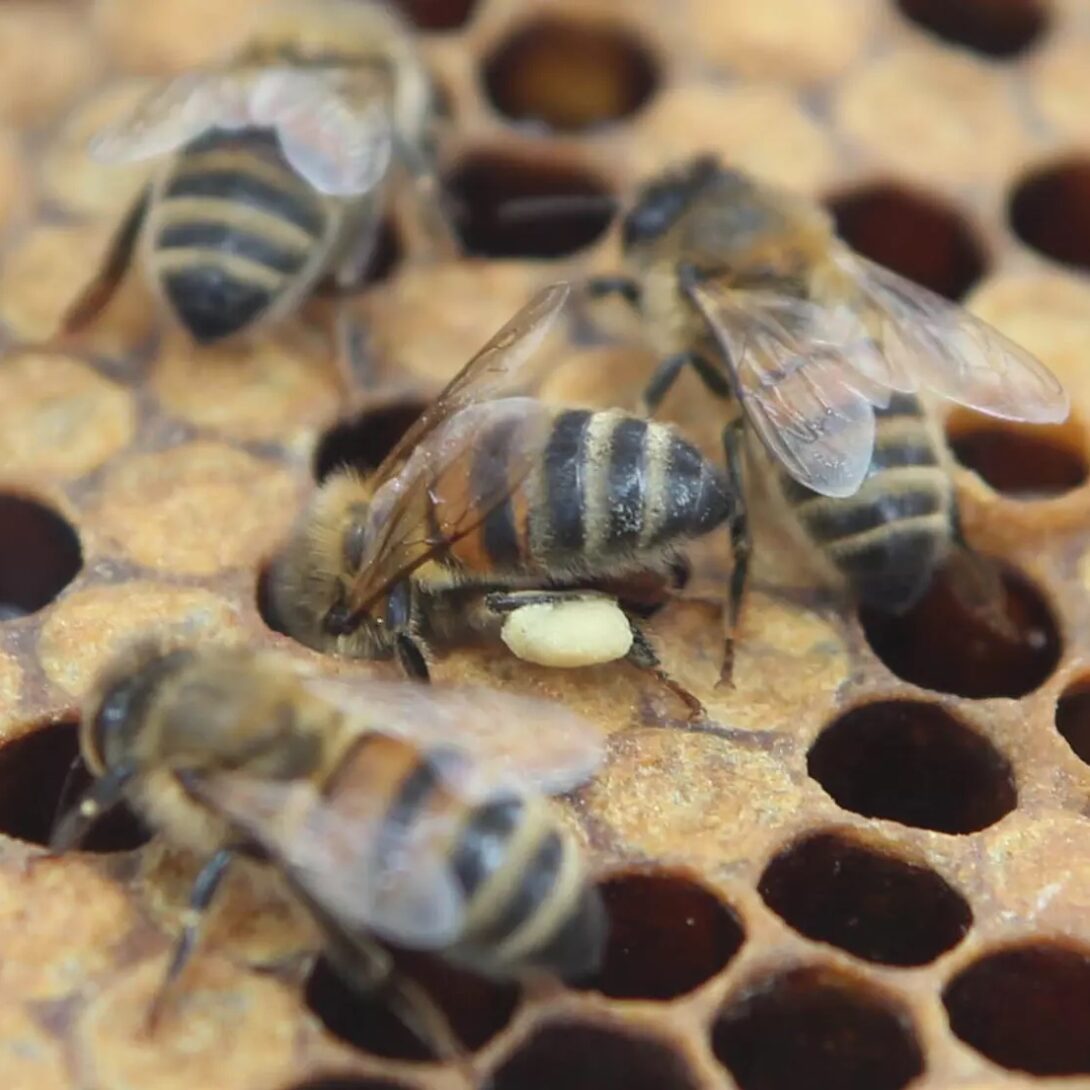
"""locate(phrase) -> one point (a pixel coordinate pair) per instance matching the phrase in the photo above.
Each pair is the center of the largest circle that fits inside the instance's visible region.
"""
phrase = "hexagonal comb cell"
(954, 644)
(362, 441)
(475, 1008)
(569, 74)
(1050, 211)
(667, 936)
(1073, 717)
(40, 776)
(842, 1034)
(485, 185)
(1026, 1007)
(1023, 461)
(912, 233)
(996, 28)
(580, 1056)
(915, 763)
(39, 556)
(868, 902)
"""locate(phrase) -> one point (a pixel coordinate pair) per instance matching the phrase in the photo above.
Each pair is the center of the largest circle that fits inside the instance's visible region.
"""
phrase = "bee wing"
(929, 341)
(493, 372)
(330, 853)
(513, 742)
(333, 124)
(808, 379)
(173, 113)
(498, 444)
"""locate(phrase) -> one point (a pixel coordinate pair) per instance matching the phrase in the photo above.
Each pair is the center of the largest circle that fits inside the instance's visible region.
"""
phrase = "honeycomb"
(871, 869)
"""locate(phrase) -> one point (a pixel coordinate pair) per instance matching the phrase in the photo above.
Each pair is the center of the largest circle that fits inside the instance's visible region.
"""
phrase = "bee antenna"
(520, 209)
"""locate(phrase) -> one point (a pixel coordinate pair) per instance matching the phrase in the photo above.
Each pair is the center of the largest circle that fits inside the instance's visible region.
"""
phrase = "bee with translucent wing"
(394, 812)
(274, 169)
(824, 360)
(492, 503)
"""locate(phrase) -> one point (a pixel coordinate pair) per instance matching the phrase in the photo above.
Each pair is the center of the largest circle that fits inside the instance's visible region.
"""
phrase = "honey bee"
(490, 504)
(394, 812)
(274, 169)
(823, 357)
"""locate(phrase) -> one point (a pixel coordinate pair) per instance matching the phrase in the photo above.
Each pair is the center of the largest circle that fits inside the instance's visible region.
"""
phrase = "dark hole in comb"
(870, 903)
(816, 1027)
(1050, 211)
(1021, 460)
(1026, 1007)
(579, 1056)
(39, 556)
(913, 234)
(476, 1009)
(952, 645)
(913, 762)
(996, 28)
(486, 184)
(1073, 717)
(438, 14)
(34, 769)
(569, 75)
(667, 936)
(362, 441)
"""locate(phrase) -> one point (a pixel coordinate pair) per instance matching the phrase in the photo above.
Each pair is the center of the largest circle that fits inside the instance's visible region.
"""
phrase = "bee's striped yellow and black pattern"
(608, 487)
(232, 230)
(889, 537)
(527, 900)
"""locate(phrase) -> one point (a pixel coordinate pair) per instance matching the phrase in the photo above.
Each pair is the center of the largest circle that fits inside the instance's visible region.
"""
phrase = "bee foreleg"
(97, 294)
(667, 372)
(411, 657)
(201, 896)
(740, 541)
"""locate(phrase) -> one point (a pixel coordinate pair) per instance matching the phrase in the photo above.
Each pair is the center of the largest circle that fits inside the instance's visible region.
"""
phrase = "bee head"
(117, 712)
(662, 201)
(309, 581)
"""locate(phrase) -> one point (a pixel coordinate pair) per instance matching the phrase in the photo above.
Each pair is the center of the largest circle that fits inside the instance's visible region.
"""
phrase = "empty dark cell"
(1050, 211)
(1022, 461)
(569, 75)
(996, 28)
(364, 440)
(438, 14)
(871, 904)
(476, 1009)
(1026, 1007)
(915, 235)
(1073, 718)
(915, 763)
(577, 1056)
(818, 1026)
(485, 187)
(40, 778)
(39, 556)
(667, 935)
(953, 642)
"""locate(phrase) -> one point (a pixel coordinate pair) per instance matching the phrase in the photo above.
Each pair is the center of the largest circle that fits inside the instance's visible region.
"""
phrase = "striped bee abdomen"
(613, 486)
(887, 539)
(529, 904)
(232, 230)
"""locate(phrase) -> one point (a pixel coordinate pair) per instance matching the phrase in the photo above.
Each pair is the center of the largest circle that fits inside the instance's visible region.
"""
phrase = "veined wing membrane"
(456, 476)
(413, 898)
(511, 741)
(936, 344)
(493, 372)
(808, 379)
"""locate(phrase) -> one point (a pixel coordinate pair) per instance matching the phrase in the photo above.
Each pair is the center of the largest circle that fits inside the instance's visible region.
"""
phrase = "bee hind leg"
(741, 547)
(668, 371)
(204, 890)
(643, 655)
